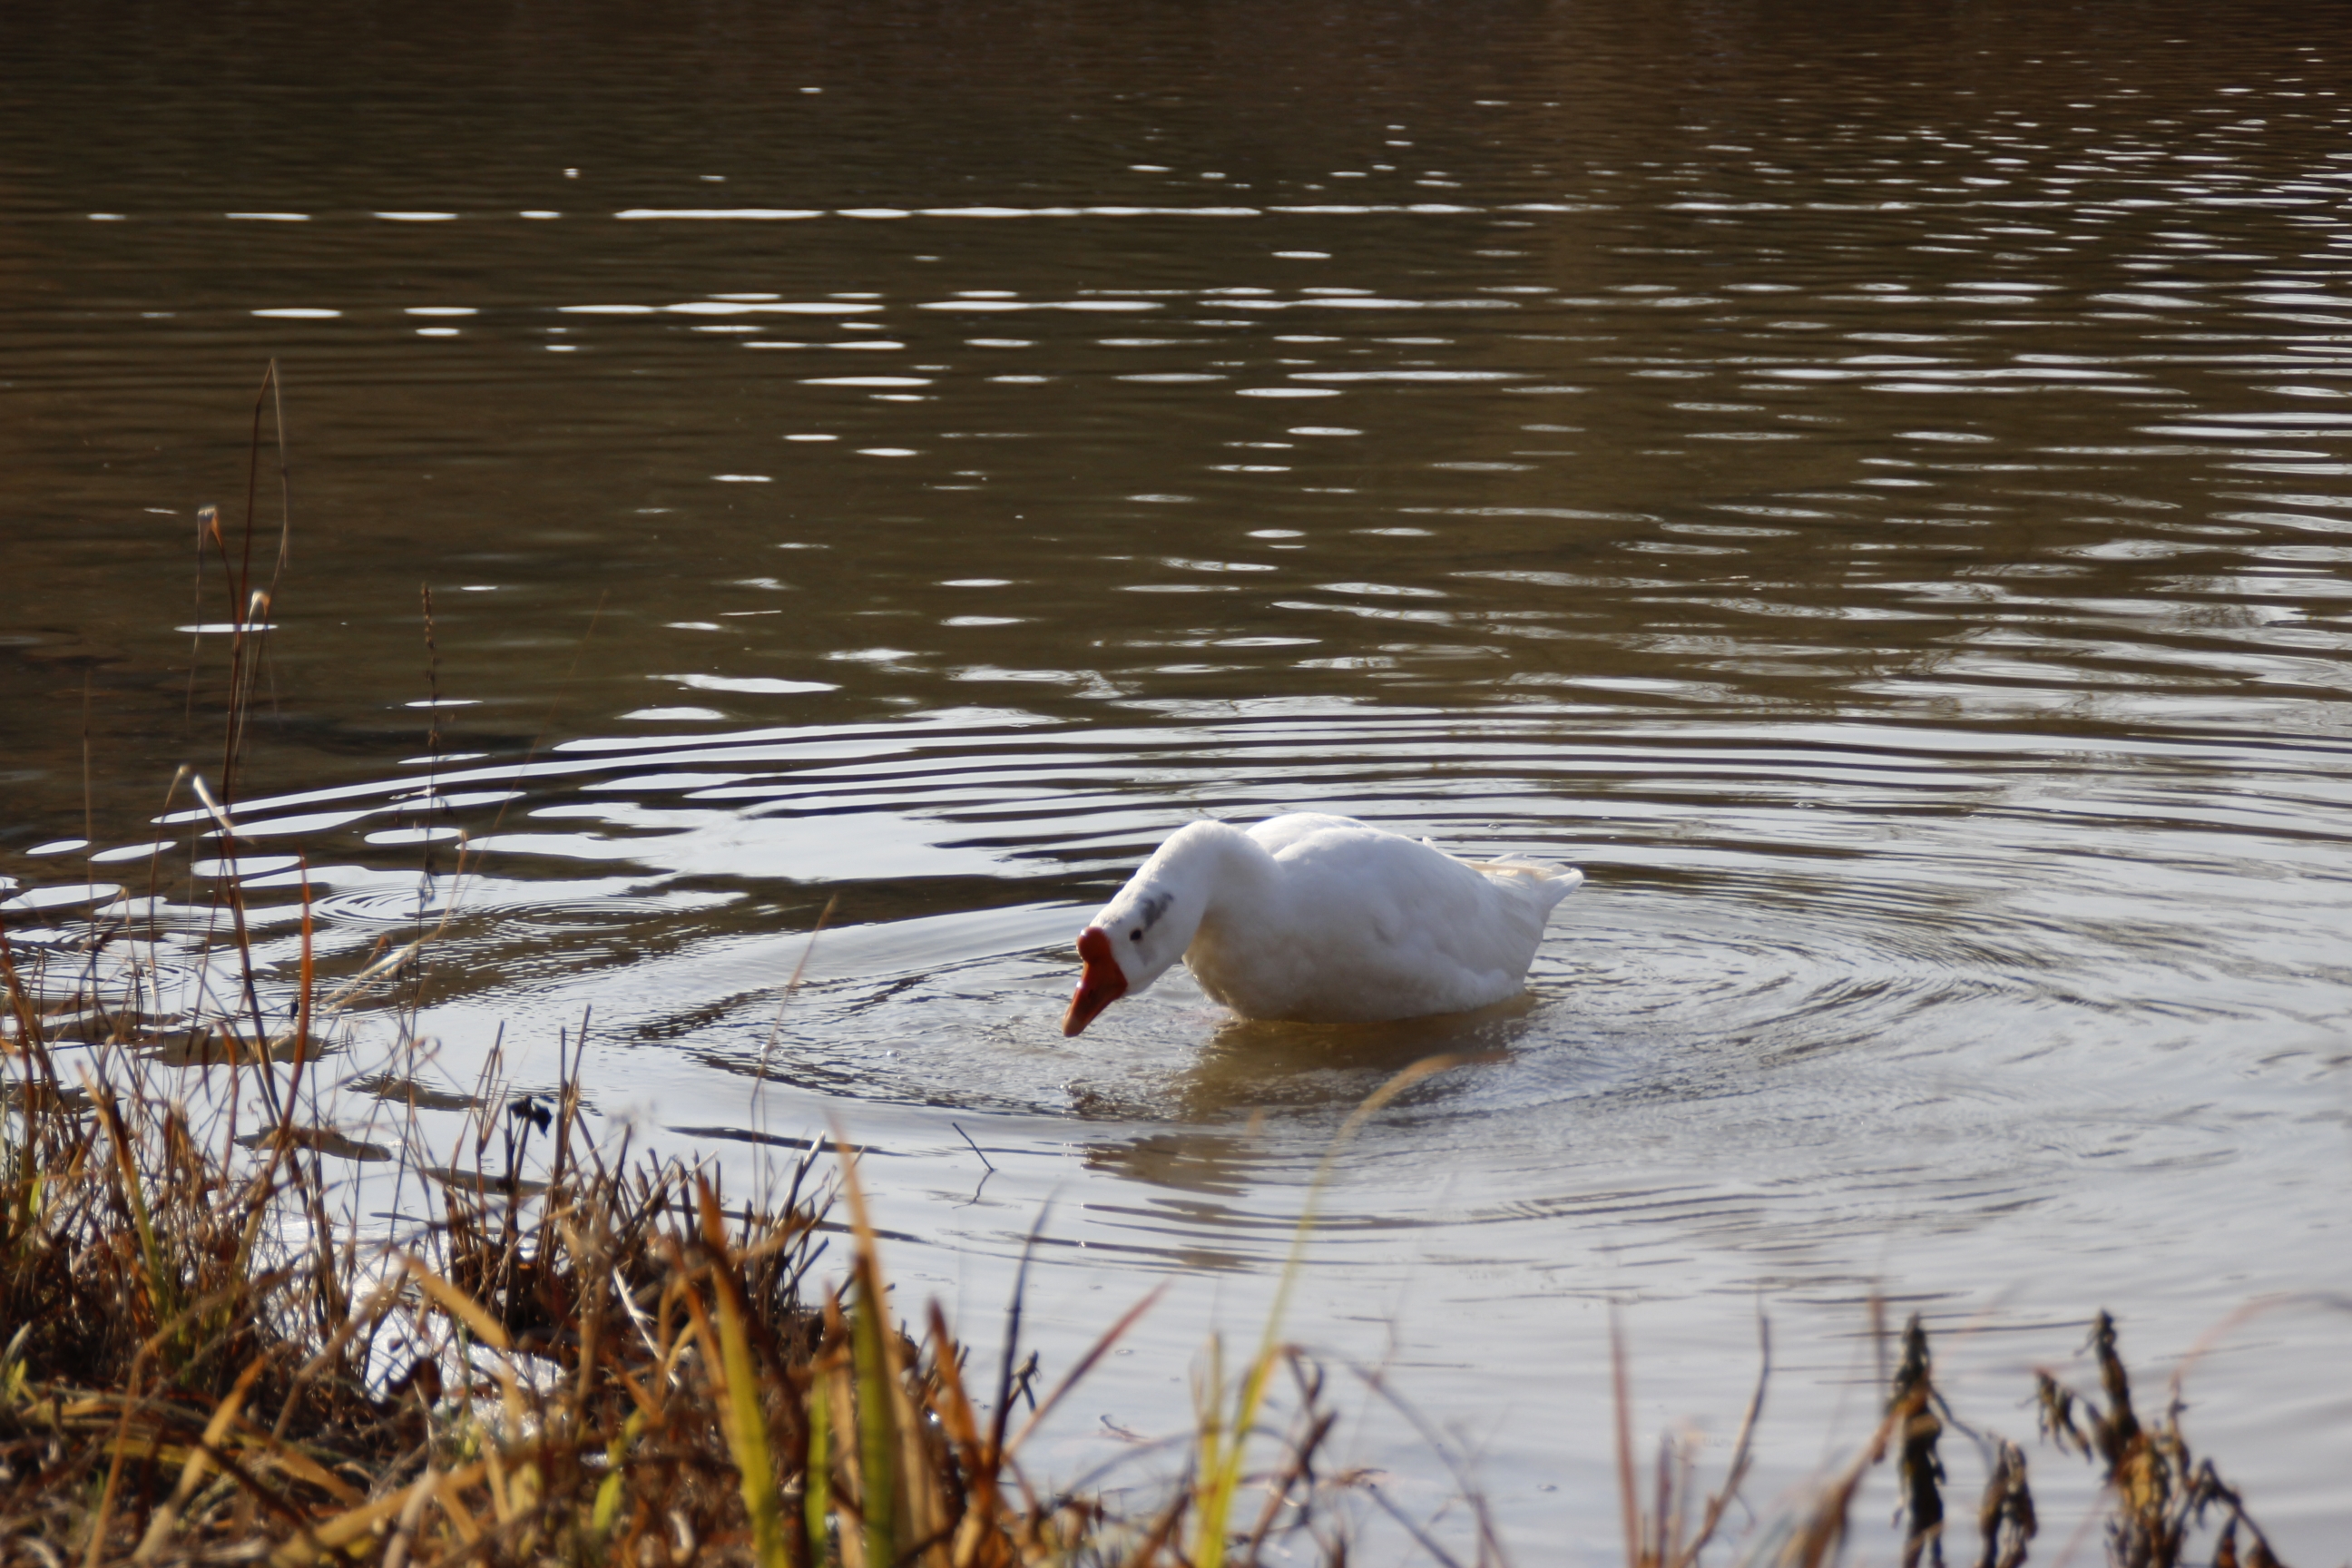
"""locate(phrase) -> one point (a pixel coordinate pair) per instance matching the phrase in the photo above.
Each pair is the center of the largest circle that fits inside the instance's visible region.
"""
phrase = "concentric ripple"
(1876, 497)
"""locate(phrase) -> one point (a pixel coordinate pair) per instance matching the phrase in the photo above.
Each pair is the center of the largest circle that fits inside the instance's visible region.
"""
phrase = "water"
(1871, 491)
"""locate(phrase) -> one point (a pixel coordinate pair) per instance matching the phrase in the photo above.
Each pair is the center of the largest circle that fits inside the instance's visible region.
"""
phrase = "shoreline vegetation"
(567, 1356)
(563, 1353)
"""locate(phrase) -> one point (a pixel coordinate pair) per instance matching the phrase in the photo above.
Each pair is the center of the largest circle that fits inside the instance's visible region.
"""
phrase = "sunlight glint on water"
(1872, 497)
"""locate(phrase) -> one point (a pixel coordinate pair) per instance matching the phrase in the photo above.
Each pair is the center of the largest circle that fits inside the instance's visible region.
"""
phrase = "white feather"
(1326, 919)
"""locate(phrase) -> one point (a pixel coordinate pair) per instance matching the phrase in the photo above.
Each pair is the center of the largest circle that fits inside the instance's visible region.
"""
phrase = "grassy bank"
(213, 1359)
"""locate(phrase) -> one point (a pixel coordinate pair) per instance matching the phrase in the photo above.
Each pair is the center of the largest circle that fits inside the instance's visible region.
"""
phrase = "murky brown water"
(1873, 493)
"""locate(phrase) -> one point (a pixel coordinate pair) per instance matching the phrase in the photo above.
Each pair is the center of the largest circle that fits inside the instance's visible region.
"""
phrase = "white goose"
(1319, 920)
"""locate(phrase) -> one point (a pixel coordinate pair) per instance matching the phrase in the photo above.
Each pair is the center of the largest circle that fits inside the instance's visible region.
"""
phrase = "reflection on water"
(1866, 489)
(1245, 1065)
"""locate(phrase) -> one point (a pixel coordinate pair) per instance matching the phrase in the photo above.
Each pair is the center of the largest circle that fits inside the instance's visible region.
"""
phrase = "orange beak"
(1102, 984)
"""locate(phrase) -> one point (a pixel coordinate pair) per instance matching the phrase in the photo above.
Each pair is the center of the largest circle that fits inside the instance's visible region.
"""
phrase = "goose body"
(1319, 920)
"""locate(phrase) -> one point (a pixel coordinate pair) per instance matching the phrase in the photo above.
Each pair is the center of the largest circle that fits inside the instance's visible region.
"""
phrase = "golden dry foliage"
(589, 1363)
(2157, 1496)
(2161, 1491)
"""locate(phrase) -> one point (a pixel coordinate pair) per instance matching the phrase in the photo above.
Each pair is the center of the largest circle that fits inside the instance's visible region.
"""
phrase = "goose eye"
(1135, 936)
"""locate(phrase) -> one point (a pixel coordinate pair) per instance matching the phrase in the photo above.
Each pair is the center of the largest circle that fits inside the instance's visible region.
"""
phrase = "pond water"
(1872, 492)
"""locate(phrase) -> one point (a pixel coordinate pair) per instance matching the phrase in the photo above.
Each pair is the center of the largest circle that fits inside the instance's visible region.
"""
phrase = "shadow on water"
(1246, 1065)
(1306, 1073)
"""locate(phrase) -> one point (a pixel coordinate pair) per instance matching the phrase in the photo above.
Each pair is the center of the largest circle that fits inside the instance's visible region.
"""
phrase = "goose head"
(1136, 938)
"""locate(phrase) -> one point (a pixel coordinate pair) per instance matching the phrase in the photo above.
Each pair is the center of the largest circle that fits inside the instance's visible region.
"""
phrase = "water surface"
(1870, 492)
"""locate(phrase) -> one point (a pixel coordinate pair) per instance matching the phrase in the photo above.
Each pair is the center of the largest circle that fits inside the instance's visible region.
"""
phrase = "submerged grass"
(568, 1354)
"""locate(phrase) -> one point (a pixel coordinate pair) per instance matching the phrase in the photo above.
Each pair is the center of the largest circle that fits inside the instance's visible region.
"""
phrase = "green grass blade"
(877, 1438)
(816, 1486)
(1224, 1445)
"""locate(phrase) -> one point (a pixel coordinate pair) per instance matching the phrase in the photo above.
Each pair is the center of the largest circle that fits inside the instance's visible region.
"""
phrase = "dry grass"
(601, 1363)
(2160, 1490)
(2156, 1501)
(611, 1362)
(566, 1356)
